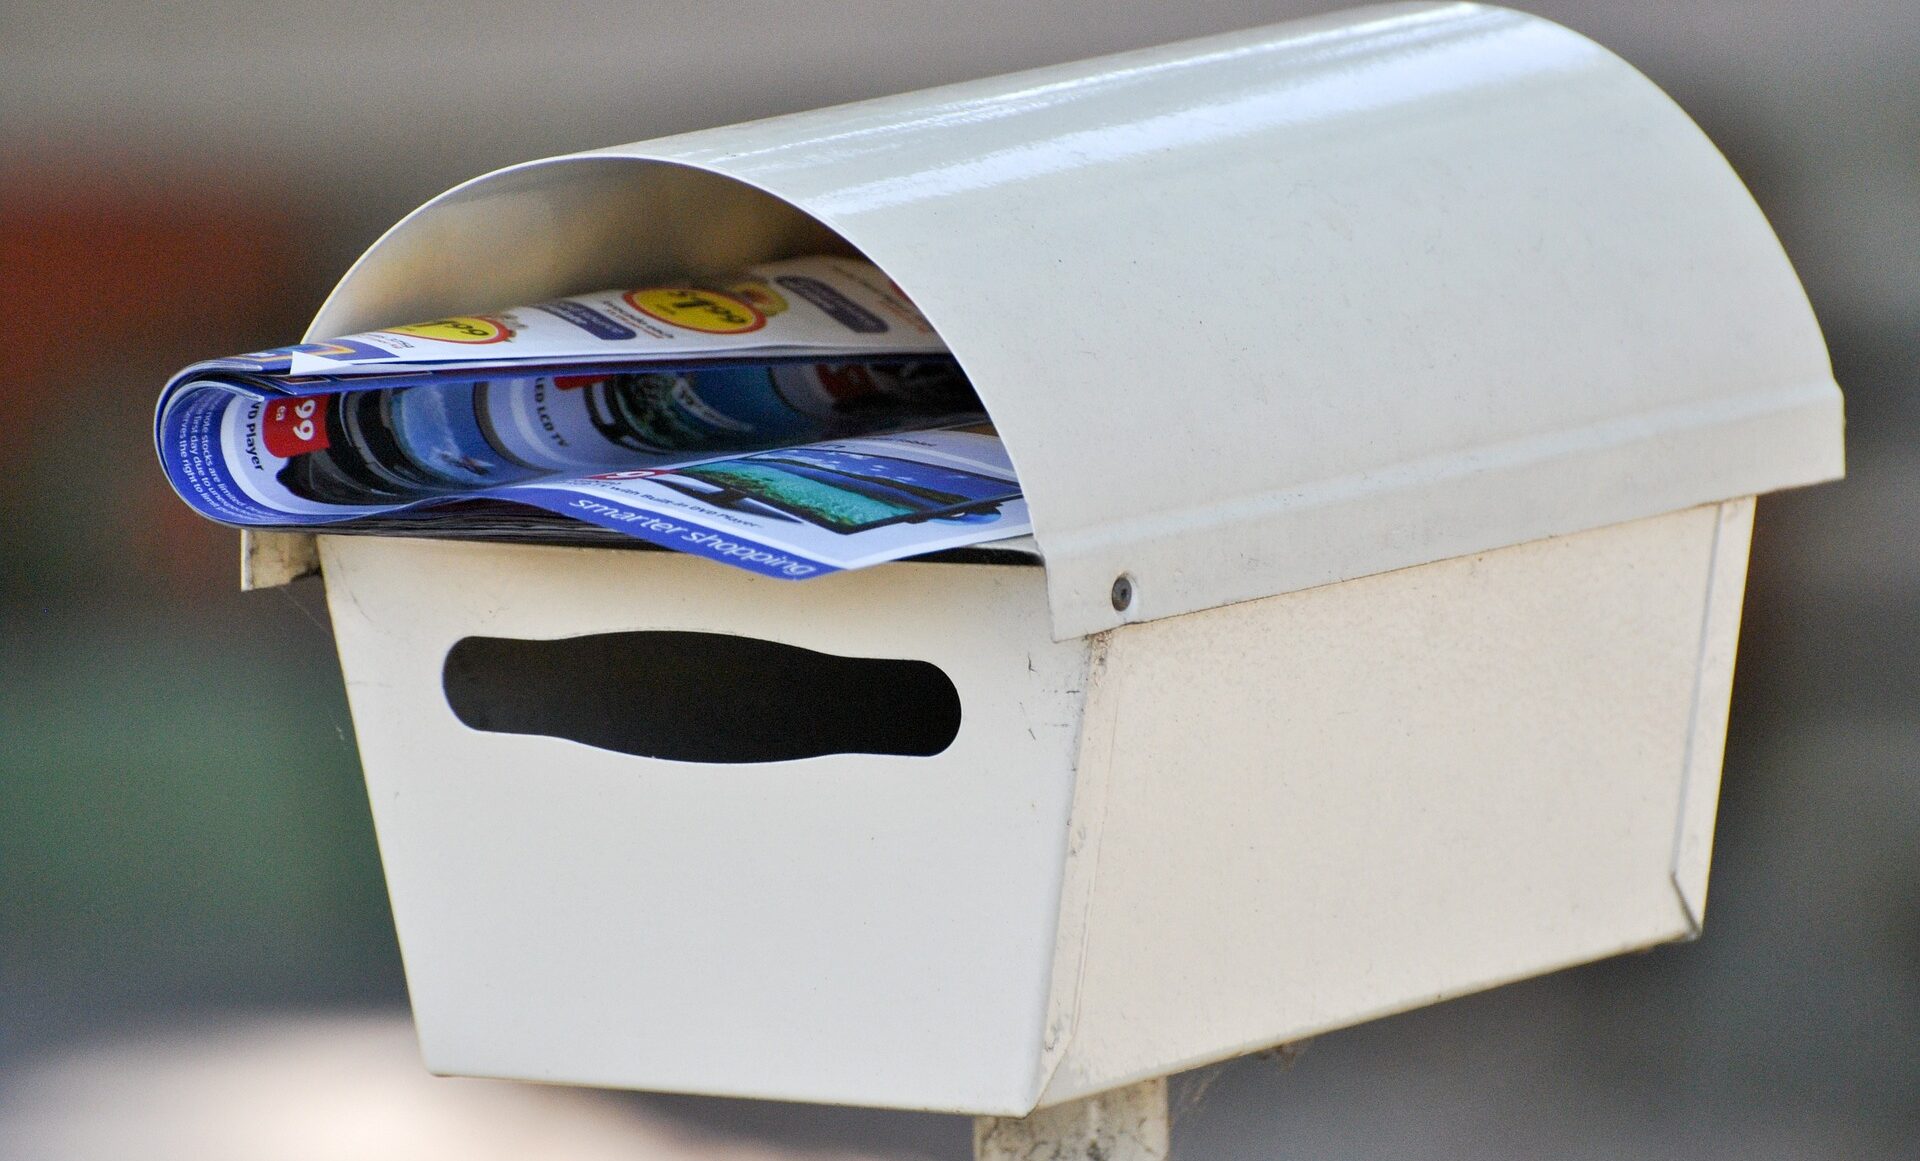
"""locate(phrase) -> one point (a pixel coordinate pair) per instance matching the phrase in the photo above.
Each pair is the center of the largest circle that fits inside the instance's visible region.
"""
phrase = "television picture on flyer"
(804, 511)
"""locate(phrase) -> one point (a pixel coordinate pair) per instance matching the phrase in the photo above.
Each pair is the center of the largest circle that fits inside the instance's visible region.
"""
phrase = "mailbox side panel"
(1335, 804)
(858, 928)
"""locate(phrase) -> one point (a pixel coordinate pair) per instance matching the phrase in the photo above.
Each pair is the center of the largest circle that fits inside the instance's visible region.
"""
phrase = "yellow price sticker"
(461, 329)
(691, 308)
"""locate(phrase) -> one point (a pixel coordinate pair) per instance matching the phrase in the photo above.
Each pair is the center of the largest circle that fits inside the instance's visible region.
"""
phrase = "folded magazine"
(797, 419)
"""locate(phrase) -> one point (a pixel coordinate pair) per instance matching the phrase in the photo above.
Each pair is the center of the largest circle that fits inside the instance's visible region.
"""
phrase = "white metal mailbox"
(1389, 391)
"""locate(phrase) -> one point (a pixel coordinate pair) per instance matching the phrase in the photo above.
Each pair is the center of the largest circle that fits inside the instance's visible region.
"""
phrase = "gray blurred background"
(193, 928)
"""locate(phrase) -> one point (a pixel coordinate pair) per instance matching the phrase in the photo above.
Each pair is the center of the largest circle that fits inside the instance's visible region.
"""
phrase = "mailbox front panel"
(854, 928)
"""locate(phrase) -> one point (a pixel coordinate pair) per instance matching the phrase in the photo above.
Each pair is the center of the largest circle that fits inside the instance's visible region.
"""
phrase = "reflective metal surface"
(1256, 312)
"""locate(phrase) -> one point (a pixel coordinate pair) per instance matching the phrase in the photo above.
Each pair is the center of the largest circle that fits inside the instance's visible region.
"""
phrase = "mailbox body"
(1417, 367)
(1145, 850)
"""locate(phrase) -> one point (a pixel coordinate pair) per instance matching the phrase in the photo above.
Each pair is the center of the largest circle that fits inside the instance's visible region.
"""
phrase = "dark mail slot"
(701, 697)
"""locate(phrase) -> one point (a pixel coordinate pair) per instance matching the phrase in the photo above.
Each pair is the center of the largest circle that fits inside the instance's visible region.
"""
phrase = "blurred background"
(196, 958)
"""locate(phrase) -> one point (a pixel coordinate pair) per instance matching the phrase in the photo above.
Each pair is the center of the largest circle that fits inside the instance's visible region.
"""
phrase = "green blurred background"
(183, 834)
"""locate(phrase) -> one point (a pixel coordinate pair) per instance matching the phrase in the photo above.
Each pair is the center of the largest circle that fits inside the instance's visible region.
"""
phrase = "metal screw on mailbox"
(1122, 592)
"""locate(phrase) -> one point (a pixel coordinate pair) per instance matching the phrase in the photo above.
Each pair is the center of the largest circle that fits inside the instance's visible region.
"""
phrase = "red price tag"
(294, 427)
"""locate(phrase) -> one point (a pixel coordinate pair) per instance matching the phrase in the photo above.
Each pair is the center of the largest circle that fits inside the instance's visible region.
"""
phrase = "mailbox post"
(1124, 1124)
(1389, 390)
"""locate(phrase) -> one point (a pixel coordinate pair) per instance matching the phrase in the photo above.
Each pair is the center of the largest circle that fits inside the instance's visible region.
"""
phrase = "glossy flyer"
(786, 466)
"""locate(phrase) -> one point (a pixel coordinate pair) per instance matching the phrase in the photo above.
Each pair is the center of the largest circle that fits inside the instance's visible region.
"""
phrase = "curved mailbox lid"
(1256, 312)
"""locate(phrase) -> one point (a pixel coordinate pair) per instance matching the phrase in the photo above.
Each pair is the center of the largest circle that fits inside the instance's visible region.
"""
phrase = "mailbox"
(1390, 391)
